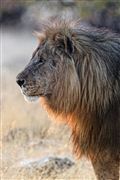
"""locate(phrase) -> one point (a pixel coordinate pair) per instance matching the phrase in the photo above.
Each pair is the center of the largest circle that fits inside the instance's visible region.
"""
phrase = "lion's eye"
(41, 60)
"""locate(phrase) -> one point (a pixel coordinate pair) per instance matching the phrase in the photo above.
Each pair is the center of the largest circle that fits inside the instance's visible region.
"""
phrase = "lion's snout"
(28, 85)
(23, 78)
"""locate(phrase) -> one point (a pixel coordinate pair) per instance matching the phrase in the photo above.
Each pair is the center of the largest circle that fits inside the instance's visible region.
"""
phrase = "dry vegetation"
(27, 133)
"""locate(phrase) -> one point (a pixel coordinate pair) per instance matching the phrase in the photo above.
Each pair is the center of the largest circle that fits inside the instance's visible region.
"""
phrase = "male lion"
(76, 74)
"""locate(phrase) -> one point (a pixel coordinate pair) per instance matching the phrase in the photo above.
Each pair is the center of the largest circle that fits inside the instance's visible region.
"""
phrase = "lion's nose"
(20, 82)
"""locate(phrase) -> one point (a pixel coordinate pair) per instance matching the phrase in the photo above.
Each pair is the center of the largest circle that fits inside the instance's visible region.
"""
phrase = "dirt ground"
(27, 133)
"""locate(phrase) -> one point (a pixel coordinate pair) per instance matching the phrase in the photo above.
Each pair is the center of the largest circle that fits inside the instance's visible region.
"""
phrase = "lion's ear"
(65, 43)
(40, 36)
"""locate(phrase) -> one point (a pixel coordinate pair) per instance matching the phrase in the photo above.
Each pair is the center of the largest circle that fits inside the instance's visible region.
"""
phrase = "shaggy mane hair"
(92, 109)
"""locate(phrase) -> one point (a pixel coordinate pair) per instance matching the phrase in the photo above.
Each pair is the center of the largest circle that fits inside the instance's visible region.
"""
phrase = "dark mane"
(97, 62)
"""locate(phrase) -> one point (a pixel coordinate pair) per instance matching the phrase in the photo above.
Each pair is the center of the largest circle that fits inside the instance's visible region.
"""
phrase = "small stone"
(46, 166)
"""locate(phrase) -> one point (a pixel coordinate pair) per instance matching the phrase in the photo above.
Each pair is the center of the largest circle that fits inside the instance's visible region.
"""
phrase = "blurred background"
(27, 133)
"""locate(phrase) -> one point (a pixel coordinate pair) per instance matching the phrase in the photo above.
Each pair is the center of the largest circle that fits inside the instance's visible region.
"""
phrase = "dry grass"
(27, 133)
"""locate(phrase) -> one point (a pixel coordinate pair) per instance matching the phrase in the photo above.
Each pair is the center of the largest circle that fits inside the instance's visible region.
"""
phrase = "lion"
(75, 71)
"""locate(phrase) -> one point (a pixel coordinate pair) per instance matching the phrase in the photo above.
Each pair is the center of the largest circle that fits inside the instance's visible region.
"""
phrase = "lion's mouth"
(30, 98)
(33, 98)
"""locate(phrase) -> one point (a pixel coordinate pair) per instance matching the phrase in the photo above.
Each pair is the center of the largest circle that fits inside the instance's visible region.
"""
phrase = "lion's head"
(51, 71)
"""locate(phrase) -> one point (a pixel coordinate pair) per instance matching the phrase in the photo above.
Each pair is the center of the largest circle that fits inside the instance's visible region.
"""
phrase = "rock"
(46, 167)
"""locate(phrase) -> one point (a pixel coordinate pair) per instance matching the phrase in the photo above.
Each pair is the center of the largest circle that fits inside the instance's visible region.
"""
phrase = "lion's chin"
(31, 98)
